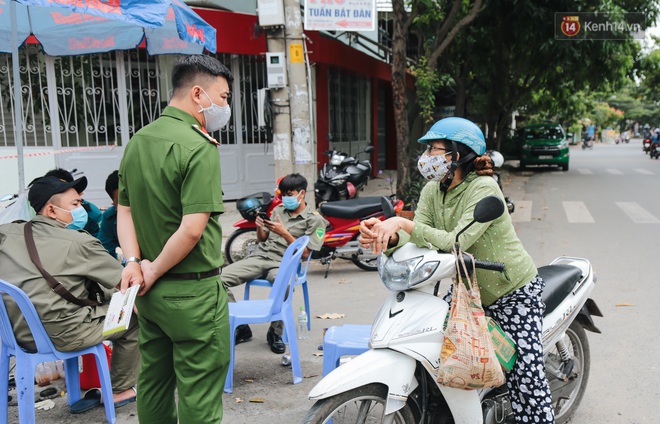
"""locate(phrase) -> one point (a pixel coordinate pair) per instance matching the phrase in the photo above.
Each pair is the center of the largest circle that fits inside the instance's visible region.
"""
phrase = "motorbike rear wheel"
(240, 244)
(365, 404)
(567, 395)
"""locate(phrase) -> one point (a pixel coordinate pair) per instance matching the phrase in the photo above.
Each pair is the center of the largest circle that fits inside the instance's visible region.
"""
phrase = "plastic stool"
(343, 340)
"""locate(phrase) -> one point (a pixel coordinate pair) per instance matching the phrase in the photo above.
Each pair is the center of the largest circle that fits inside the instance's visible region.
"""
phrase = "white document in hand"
(120, 311)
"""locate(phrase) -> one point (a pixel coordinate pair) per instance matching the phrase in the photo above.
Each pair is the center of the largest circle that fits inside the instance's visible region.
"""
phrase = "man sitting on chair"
(75, 259)
(290, 220)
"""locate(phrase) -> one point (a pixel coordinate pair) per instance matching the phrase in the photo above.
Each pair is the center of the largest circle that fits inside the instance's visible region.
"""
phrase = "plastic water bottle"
(286, 360)
(302, 324)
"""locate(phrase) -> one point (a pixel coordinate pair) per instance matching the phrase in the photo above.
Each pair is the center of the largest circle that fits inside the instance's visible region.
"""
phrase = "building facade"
(76, 109)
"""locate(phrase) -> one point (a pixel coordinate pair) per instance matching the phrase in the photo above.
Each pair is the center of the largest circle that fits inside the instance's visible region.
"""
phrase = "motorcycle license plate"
(545, 157)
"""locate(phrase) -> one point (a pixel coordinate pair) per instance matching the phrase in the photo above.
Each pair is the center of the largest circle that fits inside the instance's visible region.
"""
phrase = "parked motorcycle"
(340, 237)
(342, 177)
(395, 380)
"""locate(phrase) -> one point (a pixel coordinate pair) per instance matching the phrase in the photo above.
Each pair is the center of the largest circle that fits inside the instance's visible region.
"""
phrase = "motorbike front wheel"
(240, 244)
(567, 392)
(365, 404)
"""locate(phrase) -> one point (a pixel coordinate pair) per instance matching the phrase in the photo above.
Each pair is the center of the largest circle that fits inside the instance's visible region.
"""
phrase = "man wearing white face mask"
(79, 263)
(170, 197)
(289, 221)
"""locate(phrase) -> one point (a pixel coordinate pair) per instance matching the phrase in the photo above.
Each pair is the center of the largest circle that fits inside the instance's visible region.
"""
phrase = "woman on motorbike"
(459, 175)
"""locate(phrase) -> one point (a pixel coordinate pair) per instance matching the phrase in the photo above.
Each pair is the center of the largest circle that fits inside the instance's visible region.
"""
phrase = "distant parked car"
(544, 144)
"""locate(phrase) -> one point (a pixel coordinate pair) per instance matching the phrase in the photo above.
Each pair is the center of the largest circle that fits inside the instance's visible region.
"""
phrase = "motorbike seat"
(559, 281)
(358, 207)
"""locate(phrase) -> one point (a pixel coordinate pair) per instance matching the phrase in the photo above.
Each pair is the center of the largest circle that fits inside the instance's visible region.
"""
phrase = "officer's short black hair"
(112, 183)
(60, 173)
(293, 182)
(188, 70)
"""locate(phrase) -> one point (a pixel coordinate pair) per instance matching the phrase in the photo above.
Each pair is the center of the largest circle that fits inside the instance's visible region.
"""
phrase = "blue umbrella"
(75, 27)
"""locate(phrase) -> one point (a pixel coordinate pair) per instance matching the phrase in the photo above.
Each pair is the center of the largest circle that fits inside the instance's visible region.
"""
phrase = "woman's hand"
(367, 236)
(384, 233)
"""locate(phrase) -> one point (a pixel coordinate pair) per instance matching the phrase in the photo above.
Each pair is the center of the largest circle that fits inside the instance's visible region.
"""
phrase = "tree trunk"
(399, 42)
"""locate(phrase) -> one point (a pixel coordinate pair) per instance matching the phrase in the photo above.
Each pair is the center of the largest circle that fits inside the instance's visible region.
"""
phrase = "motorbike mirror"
(488, 209)
(6, 197)
(388, 209)
(369, 149)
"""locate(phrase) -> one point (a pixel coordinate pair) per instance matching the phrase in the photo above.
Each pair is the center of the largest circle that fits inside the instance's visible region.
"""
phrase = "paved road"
(605, 208)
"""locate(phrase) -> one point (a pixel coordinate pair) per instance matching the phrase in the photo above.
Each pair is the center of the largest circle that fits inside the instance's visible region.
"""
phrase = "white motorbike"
(395, 380)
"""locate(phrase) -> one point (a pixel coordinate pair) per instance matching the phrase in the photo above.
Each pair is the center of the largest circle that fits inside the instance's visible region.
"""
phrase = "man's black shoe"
(275, 342)
(242, 334)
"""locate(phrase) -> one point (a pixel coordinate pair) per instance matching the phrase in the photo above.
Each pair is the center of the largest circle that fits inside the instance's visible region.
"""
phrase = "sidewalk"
(263, 390)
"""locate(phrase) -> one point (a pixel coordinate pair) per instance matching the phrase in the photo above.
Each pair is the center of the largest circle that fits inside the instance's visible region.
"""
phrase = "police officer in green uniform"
(75, 259)
(290, 220)
(170, 198)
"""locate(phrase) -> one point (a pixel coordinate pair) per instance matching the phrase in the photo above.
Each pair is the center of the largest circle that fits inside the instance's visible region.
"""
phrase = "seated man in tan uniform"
(290, 220)
(75, 259)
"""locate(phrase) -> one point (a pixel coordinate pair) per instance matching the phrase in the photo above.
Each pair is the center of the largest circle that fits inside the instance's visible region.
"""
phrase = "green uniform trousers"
(249, 269)
(184, 342)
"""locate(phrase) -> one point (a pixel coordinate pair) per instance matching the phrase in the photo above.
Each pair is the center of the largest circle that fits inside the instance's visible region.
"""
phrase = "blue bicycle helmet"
(459, 130)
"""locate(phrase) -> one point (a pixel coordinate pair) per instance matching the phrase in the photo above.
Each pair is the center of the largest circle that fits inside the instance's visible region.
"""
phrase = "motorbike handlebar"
(492, 266)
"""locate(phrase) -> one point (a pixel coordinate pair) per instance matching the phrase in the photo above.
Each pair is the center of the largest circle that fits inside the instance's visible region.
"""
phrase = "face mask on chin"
(215, 116)
(433, 167)
(79, 216)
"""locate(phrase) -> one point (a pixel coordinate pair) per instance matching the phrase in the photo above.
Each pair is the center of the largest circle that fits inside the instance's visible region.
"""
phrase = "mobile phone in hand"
(264, 216)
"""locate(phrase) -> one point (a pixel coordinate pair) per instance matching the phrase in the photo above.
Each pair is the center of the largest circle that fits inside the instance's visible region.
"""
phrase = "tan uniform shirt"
(72, 257)
(307, 222)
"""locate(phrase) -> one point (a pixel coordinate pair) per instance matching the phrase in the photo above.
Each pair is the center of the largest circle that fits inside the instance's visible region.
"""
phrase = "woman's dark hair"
(293, 182)
(482, 165)
(189, 70)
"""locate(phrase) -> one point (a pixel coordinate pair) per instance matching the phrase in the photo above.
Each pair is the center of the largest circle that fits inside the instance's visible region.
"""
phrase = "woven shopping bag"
(467, 358)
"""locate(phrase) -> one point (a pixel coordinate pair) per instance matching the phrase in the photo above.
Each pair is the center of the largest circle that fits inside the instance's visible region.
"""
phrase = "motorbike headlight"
(403, 275)
(336, 160)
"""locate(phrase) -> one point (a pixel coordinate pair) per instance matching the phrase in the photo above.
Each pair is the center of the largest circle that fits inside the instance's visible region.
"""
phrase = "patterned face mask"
(433, 167)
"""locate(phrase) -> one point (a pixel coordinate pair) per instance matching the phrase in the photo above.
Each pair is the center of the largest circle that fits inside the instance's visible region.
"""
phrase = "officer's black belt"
(191, 275)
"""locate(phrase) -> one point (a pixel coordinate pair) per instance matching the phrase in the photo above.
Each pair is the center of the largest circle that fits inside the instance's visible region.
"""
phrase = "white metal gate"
(95, 120)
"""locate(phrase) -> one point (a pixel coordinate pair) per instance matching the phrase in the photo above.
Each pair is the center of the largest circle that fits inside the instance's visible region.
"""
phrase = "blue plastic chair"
(343, 340)
(275, 308)
(26, 362)
(301, 280)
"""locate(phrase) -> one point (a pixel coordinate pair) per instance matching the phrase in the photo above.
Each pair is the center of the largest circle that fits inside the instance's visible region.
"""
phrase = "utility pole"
(293, 136)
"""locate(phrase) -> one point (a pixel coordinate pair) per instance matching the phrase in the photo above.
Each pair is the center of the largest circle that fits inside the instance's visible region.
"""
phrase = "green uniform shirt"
(169, 170)
(440, 216)
(307, 222)
(73, 258)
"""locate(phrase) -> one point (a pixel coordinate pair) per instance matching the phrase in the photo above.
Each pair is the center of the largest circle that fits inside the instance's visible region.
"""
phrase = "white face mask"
(433, 167)
(216, 116)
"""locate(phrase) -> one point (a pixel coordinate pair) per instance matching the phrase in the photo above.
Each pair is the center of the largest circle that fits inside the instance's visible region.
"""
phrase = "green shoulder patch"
(320, 232)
